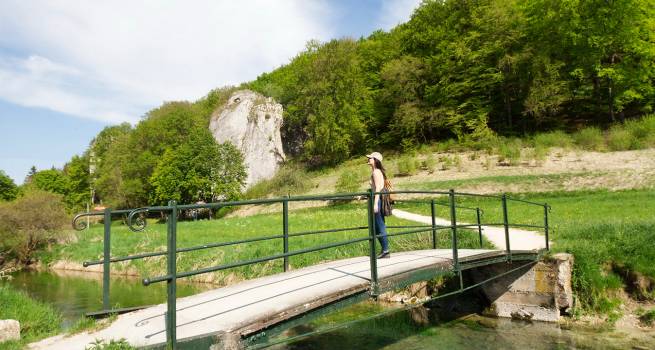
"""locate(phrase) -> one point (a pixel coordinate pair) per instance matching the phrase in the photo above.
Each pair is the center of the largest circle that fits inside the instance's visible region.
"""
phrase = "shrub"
(290, 179)
(458, 163)
(538, 154)
(642, 131)
(590, 139)
(619, 139)
(446, 162)
(553, 139)
(510, 151)
(406, 166)
(349, 181)
(30, 223)
(429, 163)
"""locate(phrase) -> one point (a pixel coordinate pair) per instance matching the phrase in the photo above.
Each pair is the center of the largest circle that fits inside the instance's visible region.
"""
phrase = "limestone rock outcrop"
(251, 122)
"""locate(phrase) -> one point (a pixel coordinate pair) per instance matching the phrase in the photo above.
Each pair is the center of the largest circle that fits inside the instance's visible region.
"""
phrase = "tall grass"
(37, 320)
(510, 151)
(590, 139)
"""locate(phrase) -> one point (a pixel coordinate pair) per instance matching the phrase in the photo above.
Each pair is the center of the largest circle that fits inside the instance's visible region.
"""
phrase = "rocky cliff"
(251, 122)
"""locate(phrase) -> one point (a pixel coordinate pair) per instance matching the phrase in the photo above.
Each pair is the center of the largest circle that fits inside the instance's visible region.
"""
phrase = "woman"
(377, 184)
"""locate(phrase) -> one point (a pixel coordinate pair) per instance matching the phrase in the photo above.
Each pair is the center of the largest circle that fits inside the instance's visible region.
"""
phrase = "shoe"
(384, 255)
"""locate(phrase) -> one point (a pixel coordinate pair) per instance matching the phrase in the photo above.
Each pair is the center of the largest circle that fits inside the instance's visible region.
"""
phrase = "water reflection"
(443, 326)
(75, 293)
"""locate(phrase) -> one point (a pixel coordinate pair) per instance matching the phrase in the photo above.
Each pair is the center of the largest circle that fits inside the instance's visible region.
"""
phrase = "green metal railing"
(137, 222)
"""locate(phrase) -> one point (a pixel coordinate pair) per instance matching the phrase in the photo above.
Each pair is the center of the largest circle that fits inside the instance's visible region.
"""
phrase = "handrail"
(136, 222)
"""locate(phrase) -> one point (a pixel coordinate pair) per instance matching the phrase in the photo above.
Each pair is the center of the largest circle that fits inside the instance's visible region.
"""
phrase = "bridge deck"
(255, 304)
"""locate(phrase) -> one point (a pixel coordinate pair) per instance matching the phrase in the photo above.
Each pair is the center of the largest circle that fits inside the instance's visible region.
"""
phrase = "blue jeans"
(381, 228)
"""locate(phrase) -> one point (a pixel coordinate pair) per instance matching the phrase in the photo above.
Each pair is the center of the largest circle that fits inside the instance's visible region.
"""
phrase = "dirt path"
(518, 239)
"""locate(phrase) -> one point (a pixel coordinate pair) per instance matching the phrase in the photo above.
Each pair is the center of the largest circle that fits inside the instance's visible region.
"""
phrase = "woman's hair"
(378, 165)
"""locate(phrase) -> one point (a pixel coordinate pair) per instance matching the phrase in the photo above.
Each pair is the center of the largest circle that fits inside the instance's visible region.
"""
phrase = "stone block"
(538, 293)
(9, 330)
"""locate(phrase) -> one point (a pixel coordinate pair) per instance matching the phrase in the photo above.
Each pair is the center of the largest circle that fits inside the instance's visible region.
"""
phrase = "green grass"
(37, 320)
(124, 242)
(605, 231)
(647, 317)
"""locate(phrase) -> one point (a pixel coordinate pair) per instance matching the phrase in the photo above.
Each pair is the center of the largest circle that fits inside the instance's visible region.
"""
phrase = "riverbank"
(37, 320)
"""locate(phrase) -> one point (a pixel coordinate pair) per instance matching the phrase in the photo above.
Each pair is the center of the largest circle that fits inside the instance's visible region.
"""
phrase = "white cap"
(375, 155)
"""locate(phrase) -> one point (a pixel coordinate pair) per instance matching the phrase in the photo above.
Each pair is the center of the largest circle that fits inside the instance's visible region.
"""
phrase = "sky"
(69, 68)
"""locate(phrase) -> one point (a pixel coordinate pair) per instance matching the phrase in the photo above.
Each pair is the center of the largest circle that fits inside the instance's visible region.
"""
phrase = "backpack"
(387, 200)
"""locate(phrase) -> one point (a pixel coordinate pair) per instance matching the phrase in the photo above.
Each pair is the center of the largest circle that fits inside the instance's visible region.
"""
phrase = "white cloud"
(113, 60)
(395, 12)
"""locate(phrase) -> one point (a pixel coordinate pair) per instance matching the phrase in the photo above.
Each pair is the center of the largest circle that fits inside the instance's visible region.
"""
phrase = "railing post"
(477, 212)
(171, 322)
(506, 225)
(105, 260)
(453, 227)
(434, 226)
(372, 237)
(546, 225)
(285, 230)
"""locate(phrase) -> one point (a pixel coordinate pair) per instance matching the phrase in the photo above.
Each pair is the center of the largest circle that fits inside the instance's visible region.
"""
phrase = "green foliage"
(349, 181)
(590, 139)
(52, 180)
(510, 151)
(619, 139)
(407, 165)
(198, 170)
(100, 344)
(78, 193)
(289, 179)
(8, 189)
(37, 320)
(642, 131)
(429, 163)
(647, 317)
(553, 139)
(29, 223)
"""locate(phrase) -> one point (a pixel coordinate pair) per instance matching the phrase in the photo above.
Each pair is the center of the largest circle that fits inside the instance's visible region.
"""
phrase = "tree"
(199, 170)
(8, 189)
(51, 180)
(79, 189)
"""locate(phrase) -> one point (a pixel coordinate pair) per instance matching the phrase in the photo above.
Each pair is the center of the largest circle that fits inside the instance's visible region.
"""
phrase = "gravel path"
(518, 239)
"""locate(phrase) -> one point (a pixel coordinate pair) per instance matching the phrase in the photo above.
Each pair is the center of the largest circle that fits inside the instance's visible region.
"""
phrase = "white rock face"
(252, 123)
(9, 330)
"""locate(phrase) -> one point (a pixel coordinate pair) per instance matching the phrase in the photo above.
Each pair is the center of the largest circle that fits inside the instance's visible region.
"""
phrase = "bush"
(553, 139)
(349, 181)
(406, 166)
(429, 163)
(30, 223)
(590, 139)
(446, 162)
(619, 139)
(642, 131)
(8, 189)
(510, 151)
(290, 179)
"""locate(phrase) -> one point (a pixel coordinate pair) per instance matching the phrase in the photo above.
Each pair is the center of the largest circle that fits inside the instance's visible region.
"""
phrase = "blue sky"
(70, 68)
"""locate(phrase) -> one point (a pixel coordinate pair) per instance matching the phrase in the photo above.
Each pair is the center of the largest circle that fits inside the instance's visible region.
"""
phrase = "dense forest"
(463, 69)
(469, 69)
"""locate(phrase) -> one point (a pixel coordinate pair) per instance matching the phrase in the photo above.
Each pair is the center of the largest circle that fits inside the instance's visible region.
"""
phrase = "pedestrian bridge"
(243, 311)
